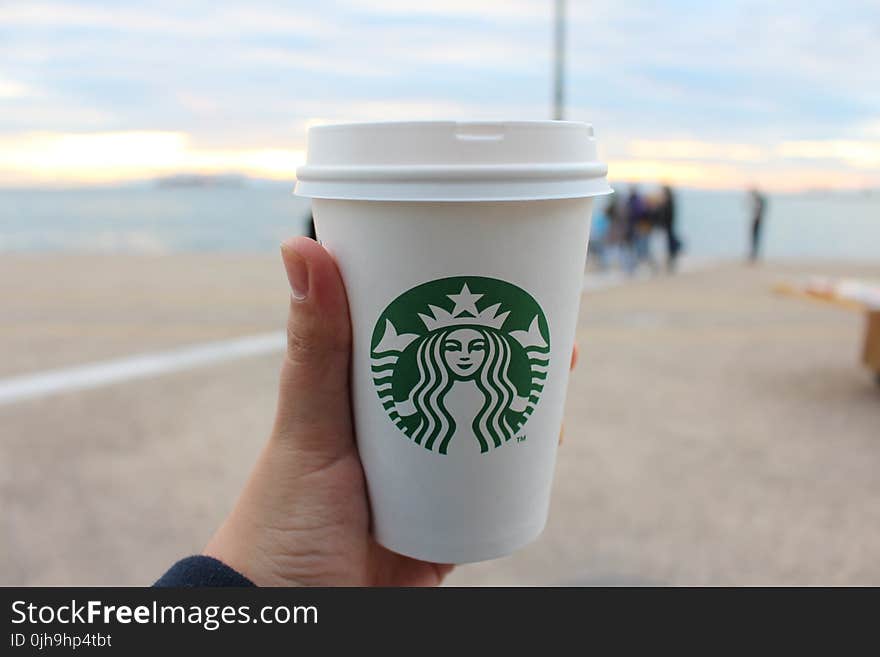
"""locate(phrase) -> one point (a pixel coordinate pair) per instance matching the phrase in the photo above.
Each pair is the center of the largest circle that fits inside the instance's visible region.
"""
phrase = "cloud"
(10, 89)
(696, 150)
(117, 156)
(784, 164)
(680, 173)
(211, 19)
(413, 110)
(860, 154)
(102, 157)
(714, 175)
(732, 88)
(495, 9)
(333, 63)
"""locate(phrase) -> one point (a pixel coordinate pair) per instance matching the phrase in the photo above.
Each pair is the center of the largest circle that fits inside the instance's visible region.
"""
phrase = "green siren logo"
(462, 331)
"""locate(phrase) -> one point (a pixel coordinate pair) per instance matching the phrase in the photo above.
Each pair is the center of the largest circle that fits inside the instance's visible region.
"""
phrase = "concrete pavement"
(715, 434)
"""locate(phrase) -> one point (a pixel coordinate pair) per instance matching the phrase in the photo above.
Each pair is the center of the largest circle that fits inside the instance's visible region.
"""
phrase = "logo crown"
(464, 313)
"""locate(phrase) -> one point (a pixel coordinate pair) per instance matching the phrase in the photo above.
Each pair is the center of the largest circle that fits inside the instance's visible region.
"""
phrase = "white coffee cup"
(462, 249)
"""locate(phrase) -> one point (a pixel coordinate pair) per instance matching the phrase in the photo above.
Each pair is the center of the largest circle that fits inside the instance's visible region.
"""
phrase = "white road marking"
(93, 375)
(83, 377)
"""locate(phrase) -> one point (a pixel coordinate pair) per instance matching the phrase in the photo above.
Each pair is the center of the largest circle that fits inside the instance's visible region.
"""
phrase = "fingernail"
(297, 271)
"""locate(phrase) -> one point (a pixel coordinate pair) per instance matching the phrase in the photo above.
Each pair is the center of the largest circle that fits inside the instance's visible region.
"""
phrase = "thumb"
(314, 414)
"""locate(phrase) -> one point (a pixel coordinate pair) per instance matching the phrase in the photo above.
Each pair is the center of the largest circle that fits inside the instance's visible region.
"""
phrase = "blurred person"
(639, 227)
(600, 229)
(303, 518)
(666, 222)
(759, 205)
(615, 238)
(632, 211)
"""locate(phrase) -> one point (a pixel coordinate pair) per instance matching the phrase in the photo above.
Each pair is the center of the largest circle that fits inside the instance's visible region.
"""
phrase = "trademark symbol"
(520, 439)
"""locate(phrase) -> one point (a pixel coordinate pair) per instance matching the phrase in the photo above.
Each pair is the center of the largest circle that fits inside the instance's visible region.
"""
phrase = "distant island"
(201, 180)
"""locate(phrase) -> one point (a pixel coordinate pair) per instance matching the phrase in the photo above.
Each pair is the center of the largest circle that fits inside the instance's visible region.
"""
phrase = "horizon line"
(235, 179)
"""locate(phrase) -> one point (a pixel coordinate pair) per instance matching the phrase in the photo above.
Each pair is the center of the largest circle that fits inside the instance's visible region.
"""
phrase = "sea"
(256, 216)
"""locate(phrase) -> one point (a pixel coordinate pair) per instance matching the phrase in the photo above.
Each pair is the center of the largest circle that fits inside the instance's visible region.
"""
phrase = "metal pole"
(559, 62)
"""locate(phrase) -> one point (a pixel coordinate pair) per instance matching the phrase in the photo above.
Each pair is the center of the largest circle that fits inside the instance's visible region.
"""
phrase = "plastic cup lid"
(452, 161)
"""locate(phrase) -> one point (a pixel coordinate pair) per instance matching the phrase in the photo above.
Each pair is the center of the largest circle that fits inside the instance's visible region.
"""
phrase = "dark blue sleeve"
(198, 571)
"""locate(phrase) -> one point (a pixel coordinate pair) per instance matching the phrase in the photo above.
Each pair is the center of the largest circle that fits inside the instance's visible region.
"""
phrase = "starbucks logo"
(462, 331)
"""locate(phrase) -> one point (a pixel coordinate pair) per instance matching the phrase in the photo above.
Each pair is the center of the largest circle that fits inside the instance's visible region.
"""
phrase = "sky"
(782, 94)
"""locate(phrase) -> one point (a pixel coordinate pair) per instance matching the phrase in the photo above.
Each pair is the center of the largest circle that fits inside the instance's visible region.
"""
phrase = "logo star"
(465, 301)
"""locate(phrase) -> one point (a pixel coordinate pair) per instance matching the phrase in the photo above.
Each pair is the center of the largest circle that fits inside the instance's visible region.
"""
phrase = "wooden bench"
(826, 291)
(871, 355)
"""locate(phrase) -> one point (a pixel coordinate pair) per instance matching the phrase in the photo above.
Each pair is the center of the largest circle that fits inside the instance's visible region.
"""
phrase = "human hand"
(303, 517)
